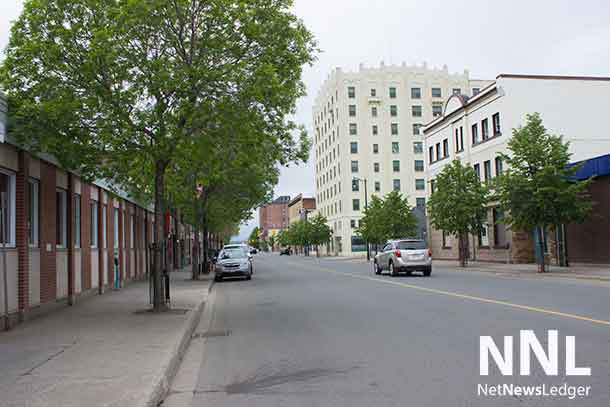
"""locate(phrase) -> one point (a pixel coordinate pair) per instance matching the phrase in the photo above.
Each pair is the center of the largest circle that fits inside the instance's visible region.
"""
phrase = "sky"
(485, 37)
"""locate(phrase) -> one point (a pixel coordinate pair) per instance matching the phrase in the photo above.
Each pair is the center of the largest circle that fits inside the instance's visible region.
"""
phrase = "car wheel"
(408, 273)
(249, 276)
(427, 272)
(376, 268)
(393, 272)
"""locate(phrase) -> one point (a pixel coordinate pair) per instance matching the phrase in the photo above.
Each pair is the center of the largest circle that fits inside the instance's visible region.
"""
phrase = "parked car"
(404, 255)
(286, 251)
(234, 262)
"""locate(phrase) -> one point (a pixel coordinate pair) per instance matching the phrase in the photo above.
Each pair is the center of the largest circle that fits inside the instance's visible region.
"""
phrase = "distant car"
(287, 251)
(405, 255)
(234, 262)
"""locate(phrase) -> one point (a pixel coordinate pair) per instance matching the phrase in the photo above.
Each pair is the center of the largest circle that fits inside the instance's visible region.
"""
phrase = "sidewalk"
(587, 272)
(103, 351)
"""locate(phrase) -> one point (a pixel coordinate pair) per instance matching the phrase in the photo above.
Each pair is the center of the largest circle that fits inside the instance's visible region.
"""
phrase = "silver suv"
(405, 255)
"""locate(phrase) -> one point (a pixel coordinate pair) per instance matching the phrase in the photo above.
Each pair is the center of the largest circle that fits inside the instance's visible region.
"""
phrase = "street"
(321, 332)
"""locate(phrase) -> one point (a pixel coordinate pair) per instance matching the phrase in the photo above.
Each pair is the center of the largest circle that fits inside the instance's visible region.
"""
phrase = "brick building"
(274, 216)
(62, 235)
(300, 208)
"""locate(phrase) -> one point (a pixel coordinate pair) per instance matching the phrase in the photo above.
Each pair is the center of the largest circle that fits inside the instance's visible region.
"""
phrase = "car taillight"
(398, 253)
(429, 252)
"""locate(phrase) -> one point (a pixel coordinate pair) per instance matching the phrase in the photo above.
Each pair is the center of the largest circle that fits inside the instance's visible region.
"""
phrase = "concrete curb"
(528, 274)
(163, 382)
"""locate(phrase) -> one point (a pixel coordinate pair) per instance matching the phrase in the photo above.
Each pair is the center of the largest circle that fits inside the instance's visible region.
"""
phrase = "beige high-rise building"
(367, 127)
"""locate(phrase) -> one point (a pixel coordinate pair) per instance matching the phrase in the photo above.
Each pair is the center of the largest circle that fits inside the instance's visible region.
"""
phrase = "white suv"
(405, 255)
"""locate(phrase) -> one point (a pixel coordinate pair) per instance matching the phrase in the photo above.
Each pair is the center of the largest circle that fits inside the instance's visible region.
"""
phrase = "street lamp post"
(366, 205)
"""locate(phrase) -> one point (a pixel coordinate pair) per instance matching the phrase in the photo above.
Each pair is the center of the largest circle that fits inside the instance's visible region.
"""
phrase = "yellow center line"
(467, 297)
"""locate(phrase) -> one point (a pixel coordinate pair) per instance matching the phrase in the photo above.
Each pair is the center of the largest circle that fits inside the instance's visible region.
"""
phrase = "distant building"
(367, 126)
(300, 208)
(274, 216)
(475, 130)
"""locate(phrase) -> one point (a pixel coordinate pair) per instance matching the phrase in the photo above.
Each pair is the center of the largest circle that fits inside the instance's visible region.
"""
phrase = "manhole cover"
(211, 334)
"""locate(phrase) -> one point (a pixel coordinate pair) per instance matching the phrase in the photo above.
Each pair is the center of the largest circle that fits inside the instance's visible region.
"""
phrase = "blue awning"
(594, 167)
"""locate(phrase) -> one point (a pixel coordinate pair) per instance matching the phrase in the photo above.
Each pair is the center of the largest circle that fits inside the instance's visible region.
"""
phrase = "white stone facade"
(574, 107)
(370, 117)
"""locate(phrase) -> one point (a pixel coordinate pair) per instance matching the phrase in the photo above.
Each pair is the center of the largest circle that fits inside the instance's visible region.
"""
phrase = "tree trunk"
(206, 244)
(541, 265)
(195, 260)
(159, 237)
(463, 249)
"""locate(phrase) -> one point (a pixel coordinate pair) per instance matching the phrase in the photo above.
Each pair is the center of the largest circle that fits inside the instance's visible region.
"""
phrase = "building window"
(375, 130)
(61, 214)
(7, 204)
(475, 91)
(419, 165)
(457, 91)
(116, 228)
(420, 184)
(418, 147)
(496, 123)
(445, 148)
(375, 148)
(416, 129)
(437, 109)
(477, 170)
(432, 186)
(374, 111)
(487, 171)
(436, 93)
(395, 147)
(351, 92)
(461, 143)
(353, 129)
(352, 110)
(356, 204)
(396, 166)
(355, 185)
(94, 223)
(394, 128)
(376, 167)
(77, 220)
(438, 151)
(377, 186)
(420, 203)
(373, 92)
(393, 110)
(415, 93)
(485, 129)
(353, 146)
(354, 166)
(483, 238)
(396, 185)
(499, 228)
(105, 226)
(392, 93)
(34, 211)
(132, 231)
(352, 223)
(475, 134)
(431, 154)
(416, 111)
(498, 166)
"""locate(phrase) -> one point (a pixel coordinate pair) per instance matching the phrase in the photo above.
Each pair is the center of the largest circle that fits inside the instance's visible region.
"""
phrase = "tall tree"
(255, 238)
(388, 218)
(537, 189)
(320, 231)
(458, 205)
(114, 89)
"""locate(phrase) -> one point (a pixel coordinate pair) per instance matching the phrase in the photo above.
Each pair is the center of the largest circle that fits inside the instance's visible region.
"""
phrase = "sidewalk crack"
(47, 360)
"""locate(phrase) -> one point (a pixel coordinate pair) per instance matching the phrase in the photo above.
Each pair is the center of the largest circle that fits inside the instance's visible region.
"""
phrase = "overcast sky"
(485, 37)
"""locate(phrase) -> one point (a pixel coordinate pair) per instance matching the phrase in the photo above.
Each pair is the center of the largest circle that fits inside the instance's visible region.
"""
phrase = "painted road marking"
(467, 297)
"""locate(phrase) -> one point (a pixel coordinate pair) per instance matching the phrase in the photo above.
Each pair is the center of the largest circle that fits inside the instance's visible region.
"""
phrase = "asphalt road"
(309, 332)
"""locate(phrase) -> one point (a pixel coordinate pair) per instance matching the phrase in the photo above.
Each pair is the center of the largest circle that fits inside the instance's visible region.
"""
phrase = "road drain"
(211, 334)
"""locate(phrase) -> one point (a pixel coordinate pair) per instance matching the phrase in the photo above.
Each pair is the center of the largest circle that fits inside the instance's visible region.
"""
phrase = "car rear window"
(411, 245)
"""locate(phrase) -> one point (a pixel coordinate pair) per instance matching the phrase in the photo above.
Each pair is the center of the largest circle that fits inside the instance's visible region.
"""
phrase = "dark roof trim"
(554, 77)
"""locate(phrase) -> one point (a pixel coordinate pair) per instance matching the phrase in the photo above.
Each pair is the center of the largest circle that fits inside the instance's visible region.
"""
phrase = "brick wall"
(22, 204)
(48, 277)
(85, 236)
(110, 240)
